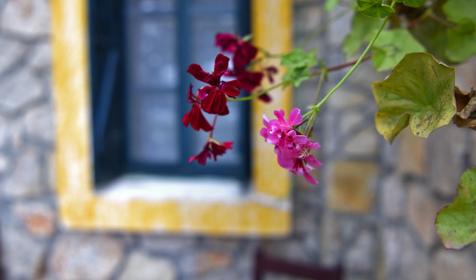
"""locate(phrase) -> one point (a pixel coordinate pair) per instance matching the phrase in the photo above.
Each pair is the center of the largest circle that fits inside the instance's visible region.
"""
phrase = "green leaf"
(462, 41)
(458, 10)
(413, 3)
(374, 8)
(298, 64)
(433, 35)
(391, 46)
(331, 5)
(363, 28)
(456, 223)
(419, 93)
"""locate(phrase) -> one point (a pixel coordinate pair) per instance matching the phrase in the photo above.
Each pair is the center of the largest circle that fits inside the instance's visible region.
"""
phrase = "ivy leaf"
(419, 93)
(363, 28)
(298, 64)
(456, 223)
(462, 41)
(391, 46)
(433, 35)
(331, 5)
(374, 8)
(413, 3)
(458, 10)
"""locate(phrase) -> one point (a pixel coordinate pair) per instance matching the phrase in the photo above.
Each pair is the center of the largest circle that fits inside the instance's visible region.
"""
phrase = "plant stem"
(312, 118)
(349, 73)
(215, 118)
(338, 67)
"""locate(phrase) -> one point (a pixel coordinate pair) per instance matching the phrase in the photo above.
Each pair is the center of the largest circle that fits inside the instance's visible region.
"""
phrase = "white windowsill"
(159, 188)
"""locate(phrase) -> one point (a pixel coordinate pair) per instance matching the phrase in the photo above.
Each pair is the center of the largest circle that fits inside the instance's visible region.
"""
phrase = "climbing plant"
(417, 41)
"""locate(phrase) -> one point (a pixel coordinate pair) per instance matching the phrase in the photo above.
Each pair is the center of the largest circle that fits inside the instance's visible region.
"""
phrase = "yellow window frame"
(264, 211)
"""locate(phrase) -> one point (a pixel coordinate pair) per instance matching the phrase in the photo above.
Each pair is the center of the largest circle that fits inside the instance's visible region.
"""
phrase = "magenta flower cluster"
(293, 149)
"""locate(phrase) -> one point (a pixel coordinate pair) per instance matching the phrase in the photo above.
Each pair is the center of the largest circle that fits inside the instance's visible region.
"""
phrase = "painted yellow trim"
(260, 212)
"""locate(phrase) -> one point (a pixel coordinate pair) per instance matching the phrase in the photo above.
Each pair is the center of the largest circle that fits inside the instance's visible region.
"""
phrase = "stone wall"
(373, 211)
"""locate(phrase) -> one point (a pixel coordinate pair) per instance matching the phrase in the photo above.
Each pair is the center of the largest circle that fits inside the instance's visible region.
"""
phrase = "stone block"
(363, 143)
(39, 123)
(412, 155)
(19, 90)
(402, 258)
(361, 255)
(141, 266)
(170, 245)
(85, 256)
(37, 217)
(21, 254)
(27, 18)
(352, 186)
(199, 263)
(25, 179)
(454, 265)
(447, 149)
(41, 56)
(13, 51)
(393, 197)
(421, 212)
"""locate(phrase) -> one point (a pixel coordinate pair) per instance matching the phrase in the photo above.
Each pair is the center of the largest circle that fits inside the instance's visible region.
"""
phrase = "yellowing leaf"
(418, 93)
(456, 223)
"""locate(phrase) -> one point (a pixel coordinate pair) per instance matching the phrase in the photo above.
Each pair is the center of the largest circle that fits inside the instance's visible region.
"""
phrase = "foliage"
(298, 64)
(419, 93)
(391, 46)
(419, 41)
(456, 223)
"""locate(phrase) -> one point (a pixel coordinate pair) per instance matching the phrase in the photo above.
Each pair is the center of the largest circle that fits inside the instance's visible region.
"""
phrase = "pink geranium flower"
(293, 150)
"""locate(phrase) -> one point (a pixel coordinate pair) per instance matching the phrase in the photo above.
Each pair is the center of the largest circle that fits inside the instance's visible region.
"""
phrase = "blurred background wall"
(373, 211)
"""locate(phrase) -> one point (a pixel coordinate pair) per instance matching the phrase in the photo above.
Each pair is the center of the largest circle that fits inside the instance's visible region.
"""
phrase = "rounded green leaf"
(391, 46)
(419, 93)
(456, 223)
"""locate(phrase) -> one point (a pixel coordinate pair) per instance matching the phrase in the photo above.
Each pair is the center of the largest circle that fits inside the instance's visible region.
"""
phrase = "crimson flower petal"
(198, 73)
(196, 119)
(230, 88)
(215, 103)
(221, 65)
(211, 150)
(227, 42)
(265, 97)
(244, 54)
(250, 80)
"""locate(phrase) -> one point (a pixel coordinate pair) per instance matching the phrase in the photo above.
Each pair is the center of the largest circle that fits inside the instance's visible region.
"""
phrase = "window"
(262, 210)
(139, 52)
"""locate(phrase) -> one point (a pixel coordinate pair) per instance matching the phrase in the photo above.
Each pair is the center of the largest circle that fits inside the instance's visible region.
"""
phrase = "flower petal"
(215, 103)
(221, 65)
(295, 117)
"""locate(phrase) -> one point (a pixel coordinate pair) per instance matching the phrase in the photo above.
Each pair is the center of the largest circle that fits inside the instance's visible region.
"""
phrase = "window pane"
(151, 6)
(154, 128)
(153, 60)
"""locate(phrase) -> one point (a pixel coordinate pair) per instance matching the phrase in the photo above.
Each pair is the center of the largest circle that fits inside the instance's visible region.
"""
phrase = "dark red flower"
(215, 100)
(211, 150)
(227, 42)
(214, 96)
(195, 117)
(249, 80)
(270, 71)
(265, 97)
(244, 54)
(214, 78)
